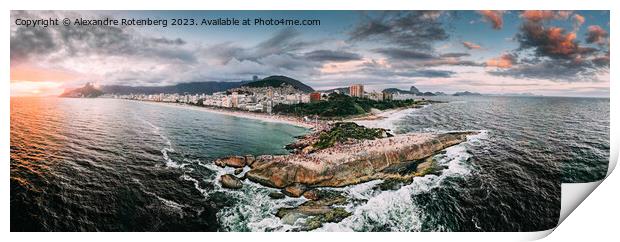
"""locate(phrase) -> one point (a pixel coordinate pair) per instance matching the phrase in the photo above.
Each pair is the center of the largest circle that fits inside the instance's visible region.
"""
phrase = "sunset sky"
(558, 53)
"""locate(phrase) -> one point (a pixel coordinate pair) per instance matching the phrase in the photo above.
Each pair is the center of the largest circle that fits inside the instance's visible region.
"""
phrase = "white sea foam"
(396, 209)
(254, 210)
(165, 150)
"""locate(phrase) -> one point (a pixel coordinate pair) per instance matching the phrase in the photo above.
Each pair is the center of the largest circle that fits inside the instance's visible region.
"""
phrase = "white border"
(319, 5)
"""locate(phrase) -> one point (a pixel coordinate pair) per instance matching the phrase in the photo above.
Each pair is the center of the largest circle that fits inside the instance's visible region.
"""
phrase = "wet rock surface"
(395, 166)
(326, 209)
(232, 161)
(365, 167)
(230, 181)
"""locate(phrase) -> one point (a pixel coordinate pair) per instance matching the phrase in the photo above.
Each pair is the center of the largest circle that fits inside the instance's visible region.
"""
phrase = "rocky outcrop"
(366, 166)
(230, 181)
(326, 209)
(295, 190)
(232, 161)
(276, 195)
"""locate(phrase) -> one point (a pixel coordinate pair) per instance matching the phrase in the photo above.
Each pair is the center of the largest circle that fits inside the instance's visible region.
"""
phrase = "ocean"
(120, 165)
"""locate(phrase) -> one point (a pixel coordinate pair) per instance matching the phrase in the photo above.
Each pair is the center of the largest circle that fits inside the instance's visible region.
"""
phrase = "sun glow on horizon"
(31, 88)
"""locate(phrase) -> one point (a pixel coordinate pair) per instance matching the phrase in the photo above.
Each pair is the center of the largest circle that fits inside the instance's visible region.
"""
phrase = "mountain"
(344, 90)
(396, 90)
(190, 88)
(412, 90)
(89, 91)
(278, 81)
(466, 93)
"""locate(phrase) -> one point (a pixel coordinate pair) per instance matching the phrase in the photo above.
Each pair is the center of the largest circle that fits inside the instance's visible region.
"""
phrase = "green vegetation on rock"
(343, 131)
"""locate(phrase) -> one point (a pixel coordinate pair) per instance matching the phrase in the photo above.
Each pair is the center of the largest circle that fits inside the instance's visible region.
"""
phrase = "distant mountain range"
(466, 93)
(278, 81)
(343, 90)
(89, 89)
(413, 90)
(190, 88)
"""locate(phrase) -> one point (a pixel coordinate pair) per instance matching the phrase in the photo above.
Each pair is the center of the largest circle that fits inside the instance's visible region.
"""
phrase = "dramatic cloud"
(59, 41)
(285, 41)
(412, 29)
(503, 61)
(539, 15)
(555, 53)
(471, 46)
(551, 42)
(494, 17)
(329, 55)
(578, 20)
(596, 34)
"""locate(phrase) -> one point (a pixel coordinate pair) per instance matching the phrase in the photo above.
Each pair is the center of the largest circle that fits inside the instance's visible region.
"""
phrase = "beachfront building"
(403, 96)
(254, 99)
(377, 96)
(356, 90)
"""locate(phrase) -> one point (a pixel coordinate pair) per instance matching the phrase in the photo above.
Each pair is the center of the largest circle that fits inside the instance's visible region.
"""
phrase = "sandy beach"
(383, 119)
(272, 118)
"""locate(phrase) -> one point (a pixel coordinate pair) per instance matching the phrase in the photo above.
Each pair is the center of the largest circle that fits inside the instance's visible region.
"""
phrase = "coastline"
(273, 118)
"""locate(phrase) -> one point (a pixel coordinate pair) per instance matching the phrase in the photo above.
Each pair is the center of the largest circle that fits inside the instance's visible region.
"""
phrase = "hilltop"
(89, 91)
(278, 81)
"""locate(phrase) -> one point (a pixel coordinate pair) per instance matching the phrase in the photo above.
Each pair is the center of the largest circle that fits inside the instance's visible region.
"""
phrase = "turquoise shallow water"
(117, 165)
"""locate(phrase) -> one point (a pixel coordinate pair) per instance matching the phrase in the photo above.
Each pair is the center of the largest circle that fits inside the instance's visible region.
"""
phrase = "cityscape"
(259, 99)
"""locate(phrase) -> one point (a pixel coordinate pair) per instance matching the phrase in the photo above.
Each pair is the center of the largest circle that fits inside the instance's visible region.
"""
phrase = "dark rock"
(276, 195)
(230, 181)
(333, 216)
(238, 171)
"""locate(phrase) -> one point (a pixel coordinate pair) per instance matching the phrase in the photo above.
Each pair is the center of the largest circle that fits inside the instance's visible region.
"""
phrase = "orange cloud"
(578, 20)
(562, 44)
(493, 16)
(504, 61)
(563, 14)
(470, 45)
(538, 15)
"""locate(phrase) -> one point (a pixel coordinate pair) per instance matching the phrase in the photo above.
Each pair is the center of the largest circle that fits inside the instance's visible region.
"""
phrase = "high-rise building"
(356, 90)
(235, 100)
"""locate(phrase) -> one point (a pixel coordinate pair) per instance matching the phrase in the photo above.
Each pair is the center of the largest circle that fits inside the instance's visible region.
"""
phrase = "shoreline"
(273, 118)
